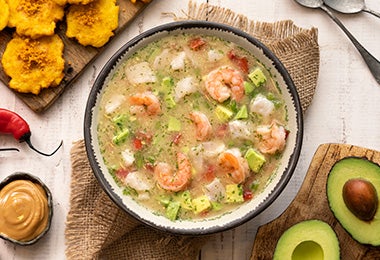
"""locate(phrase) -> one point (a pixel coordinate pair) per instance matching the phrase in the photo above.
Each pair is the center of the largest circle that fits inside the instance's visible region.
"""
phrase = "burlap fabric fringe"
(97, 229)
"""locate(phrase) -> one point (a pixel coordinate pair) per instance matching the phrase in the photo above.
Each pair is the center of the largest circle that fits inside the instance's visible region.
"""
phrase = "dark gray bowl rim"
(98, 85)
(27, 176)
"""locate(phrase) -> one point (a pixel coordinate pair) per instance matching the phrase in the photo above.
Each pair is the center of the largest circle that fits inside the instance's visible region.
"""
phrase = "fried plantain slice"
(34, 64)
(144, 1)
(4, 14)
(34, 18)
(92, 24)
(61, 2)
(80, 2)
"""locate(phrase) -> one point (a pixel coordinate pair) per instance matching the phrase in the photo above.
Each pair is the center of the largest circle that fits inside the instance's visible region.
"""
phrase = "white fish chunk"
(140, 73)
(215, 190)
(261, 105)
(185, 87)
(113, 103)
(178, 62)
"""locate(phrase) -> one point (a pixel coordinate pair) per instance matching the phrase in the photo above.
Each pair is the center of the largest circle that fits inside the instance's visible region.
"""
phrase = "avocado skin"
(364, 232)
(313, 230)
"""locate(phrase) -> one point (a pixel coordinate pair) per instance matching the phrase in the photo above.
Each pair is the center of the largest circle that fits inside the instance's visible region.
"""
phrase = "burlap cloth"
(97, 229)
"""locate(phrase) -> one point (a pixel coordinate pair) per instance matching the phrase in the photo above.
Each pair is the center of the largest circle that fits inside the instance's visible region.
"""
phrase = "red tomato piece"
(241, 62)
(247, 195)
(146, 138)
(196, 44)
(137, 144)
(121, 173)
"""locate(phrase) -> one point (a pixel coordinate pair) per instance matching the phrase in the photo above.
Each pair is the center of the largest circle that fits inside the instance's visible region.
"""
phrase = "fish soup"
(192, 126)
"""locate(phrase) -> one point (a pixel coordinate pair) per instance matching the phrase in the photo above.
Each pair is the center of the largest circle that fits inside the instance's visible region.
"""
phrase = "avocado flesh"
(365, 232)
(309, 239)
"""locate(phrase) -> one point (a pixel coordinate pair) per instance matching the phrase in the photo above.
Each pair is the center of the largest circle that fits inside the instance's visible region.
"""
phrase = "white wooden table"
(345, 109)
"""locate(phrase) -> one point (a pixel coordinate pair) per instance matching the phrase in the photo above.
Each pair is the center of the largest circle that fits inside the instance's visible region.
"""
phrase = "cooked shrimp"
(203, 126)
(234, 164)
(223, 83)
(145, 102)
(272, 138)
(174, 181)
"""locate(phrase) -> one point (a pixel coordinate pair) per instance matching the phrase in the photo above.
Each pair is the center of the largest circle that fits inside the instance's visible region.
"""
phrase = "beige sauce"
(24, 212)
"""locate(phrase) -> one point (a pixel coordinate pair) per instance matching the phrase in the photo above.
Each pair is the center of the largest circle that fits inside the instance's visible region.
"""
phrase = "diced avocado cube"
(167, 82)
(216, 205)
(201, 204)
(255, 159)
(242, 113)
(248, 87)
(121, 137)
(257, 77)
(172, 210)
(223, 113)
(169, 101)
(234, 193)
(174, 125)
(185, 199)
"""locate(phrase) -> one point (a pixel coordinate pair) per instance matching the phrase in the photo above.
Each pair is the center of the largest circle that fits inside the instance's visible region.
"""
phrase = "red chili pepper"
(12, 123)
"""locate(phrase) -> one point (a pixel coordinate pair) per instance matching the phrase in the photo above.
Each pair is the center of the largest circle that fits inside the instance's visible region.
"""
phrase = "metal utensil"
(372, 63)
(350, 6)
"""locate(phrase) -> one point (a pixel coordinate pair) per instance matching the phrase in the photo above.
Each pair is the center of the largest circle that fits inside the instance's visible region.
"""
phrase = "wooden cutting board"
(311, 203)
(77, 57)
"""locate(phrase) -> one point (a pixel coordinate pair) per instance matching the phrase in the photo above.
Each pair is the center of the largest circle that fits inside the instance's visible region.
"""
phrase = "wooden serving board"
(77, 57)
(311, 203)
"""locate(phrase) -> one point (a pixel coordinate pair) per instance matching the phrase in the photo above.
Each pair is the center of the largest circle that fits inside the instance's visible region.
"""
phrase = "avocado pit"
(361, 199)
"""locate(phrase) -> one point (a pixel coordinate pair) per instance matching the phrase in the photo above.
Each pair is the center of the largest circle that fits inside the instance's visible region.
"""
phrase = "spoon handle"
(372, 63)
(371, 12)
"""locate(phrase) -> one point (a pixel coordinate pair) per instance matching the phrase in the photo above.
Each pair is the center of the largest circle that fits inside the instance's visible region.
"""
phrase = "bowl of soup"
(193, 127)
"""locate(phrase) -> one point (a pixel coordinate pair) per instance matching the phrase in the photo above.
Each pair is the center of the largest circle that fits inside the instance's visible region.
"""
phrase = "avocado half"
(309, 239)
(363, 230)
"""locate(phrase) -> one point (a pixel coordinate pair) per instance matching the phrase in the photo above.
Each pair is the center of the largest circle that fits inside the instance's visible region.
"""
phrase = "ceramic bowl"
(36, 180)
(248, 210)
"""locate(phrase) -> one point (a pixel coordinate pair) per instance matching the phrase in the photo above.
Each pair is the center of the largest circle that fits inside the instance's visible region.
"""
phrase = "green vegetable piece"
(248, 87)
(216, 205)
(234, 193)
(185, 200)
(121, 137)
(242, 113)
(257, 77)
(201, 204)
(167, 82)
(172, 210)
(120, 120)
(223, 113)
(174, 125)
(139, 160)
(255, 159)
(254, 186)
(164, 200)
(169, 101)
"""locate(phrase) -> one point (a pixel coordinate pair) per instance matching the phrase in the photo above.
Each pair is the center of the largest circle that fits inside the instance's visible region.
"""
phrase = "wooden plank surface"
(76, 56)
(311, 203)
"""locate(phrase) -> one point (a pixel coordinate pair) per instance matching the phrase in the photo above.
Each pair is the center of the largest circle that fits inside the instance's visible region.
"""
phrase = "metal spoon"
(372, 63)
(350, 6)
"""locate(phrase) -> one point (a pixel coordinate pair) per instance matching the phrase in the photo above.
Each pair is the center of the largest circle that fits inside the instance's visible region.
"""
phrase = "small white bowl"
(247, 210)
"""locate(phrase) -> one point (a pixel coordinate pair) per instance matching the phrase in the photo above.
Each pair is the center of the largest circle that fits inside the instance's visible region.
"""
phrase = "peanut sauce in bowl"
(25, 209)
